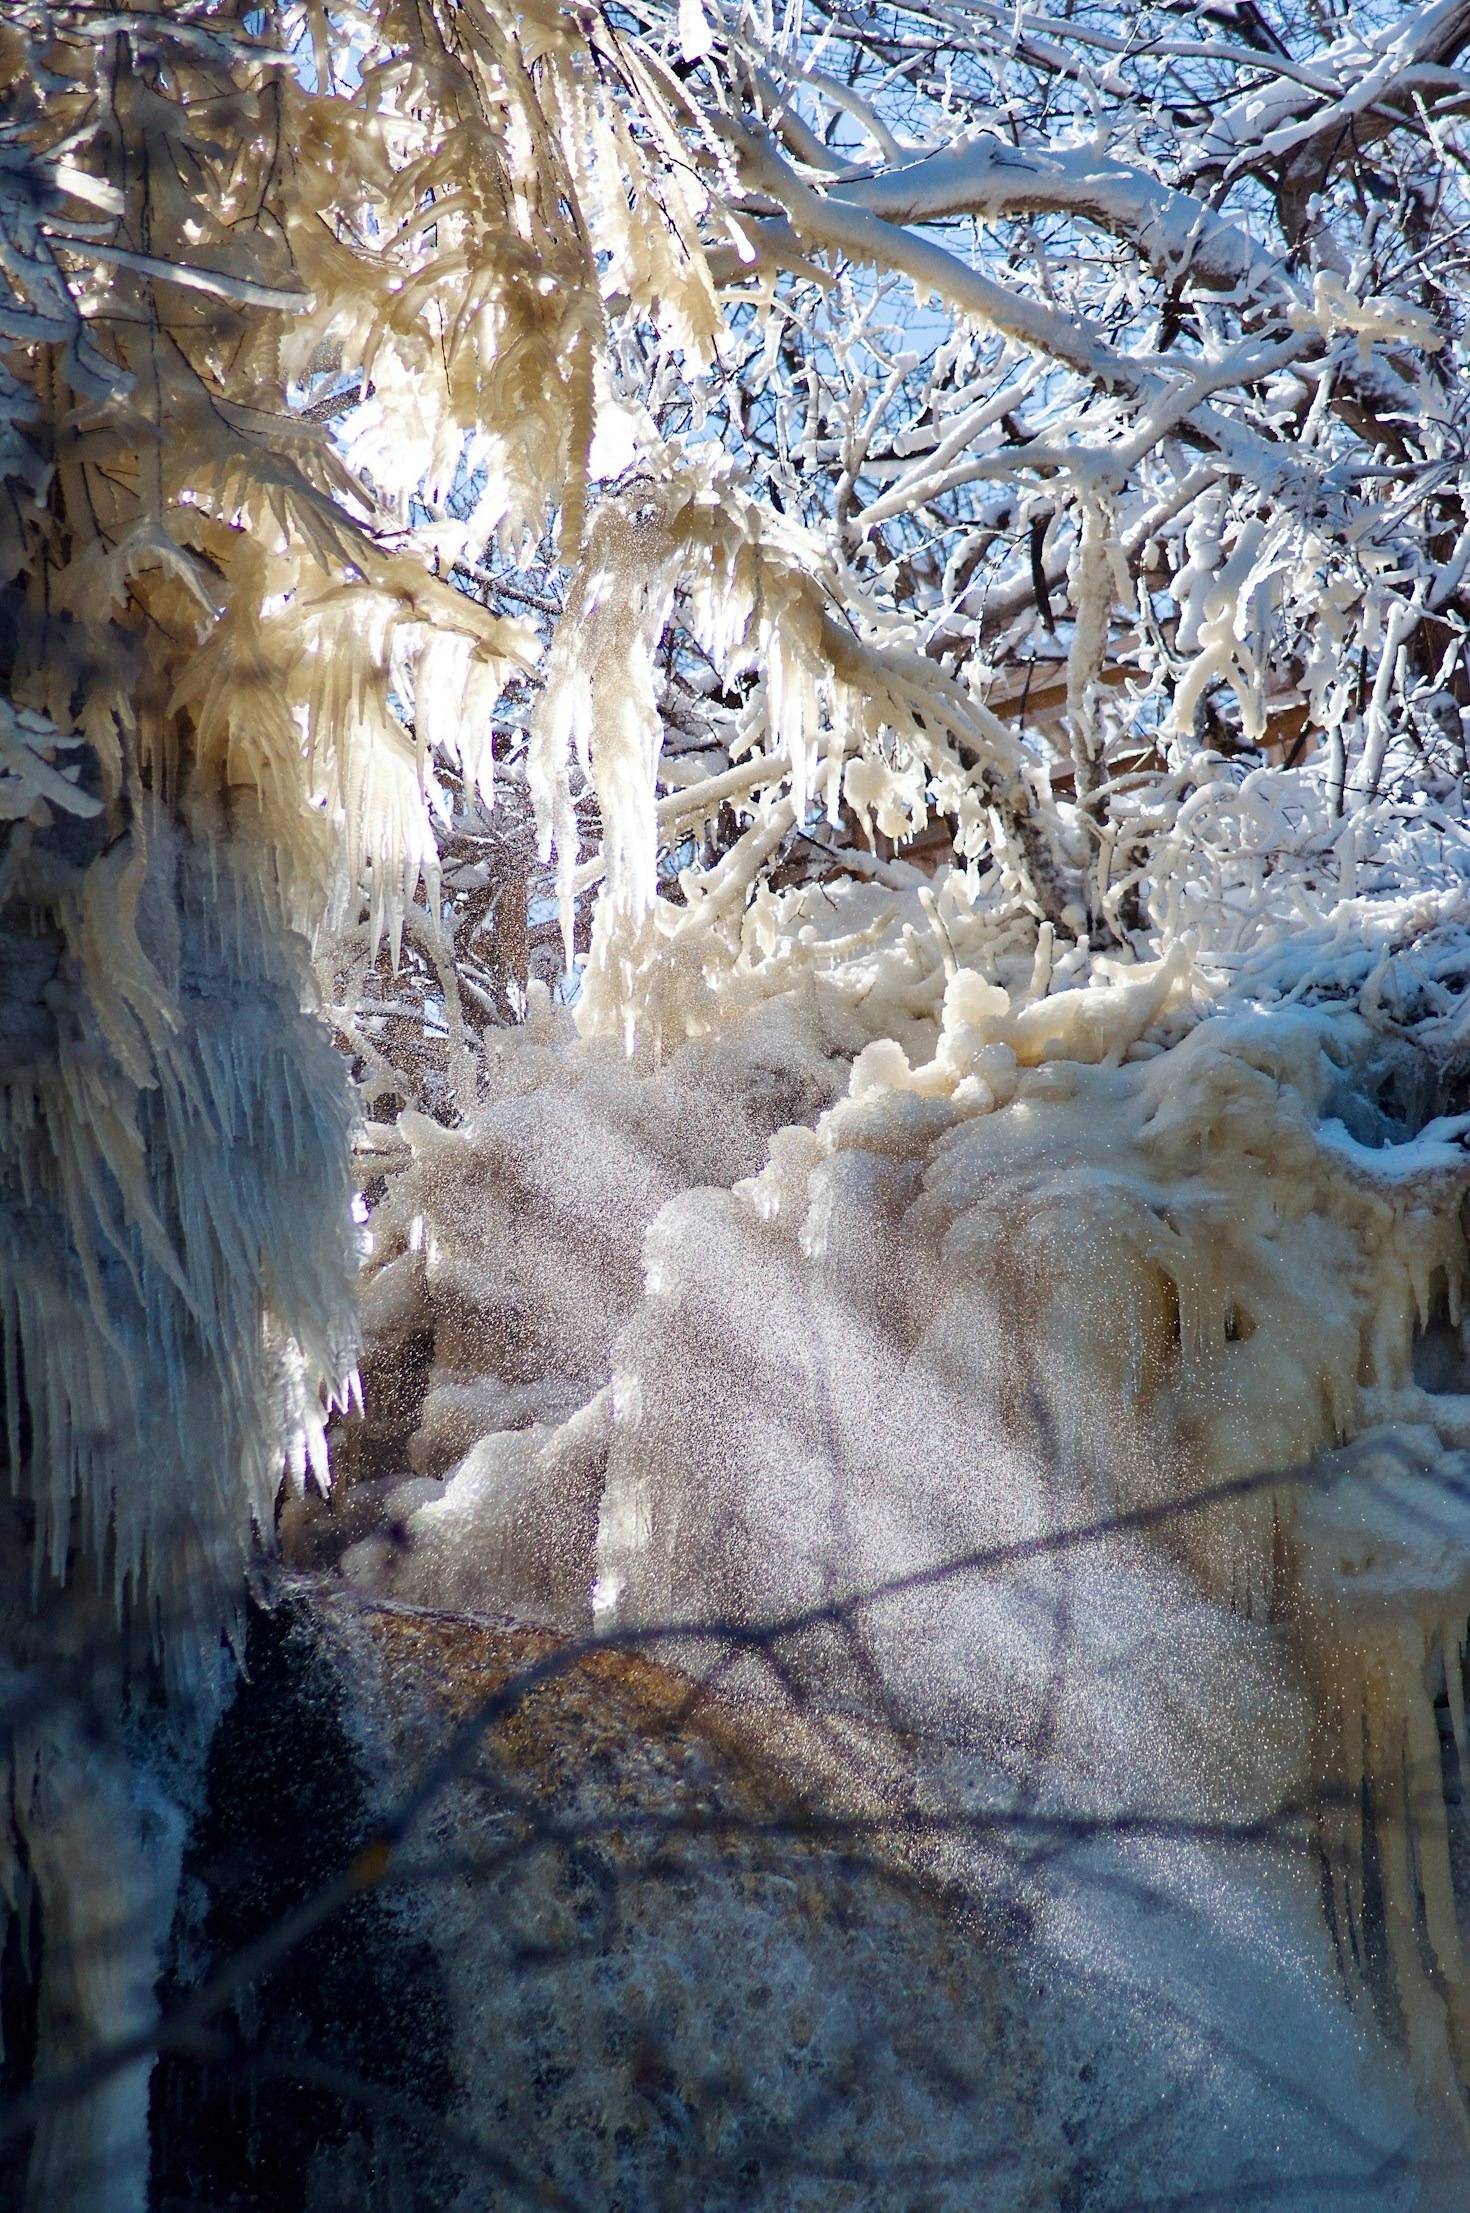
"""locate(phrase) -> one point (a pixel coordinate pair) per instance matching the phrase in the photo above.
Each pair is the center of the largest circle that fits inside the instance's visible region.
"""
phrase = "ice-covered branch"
(1180, 237)
(827, 220)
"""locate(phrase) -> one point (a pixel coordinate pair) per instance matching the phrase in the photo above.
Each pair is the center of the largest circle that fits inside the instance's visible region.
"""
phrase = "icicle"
(1384, 1552)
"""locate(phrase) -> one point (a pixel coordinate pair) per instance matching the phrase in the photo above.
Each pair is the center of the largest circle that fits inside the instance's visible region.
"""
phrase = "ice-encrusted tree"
(1011, 463)
(998, 438)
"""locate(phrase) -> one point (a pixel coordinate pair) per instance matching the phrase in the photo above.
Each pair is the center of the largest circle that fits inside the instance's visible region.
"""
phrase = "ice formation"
(1111, 1181)
(172, 1114)
(848, 1315)
(156, 1291)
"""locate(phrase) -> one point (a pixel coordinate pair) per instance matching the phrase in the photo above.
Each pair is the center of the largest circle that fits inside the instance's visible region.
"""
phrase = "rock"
(643, 1948)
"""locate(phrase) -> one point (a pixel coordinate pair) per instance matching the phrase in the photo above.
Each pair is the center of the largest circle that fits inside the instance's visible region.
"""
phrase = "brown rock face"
(624, 1957)
(684, 1971)
(602, 1939)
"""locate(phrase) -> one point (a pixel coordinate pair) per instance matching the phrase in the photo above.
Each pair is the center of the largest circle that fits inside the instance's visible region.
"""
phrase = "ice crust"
(855, 1328)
